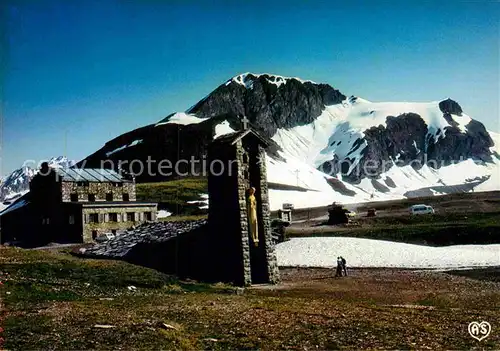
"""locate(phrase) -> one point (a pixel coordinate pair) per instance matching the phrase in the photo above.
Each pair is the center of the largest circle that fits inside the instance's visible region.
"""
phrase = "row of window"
(86, 184)
(91, 197)
(113, 217)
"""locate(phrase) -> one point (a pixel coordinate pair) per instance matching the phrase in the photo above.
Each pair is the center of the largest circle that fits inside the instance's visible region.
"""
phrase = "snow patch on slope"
(163, 214)
(493, 182)
(311, 142)
(134, 143)
(496, 141)
(203, 202)
(182, 118)
(222, 129)
(321, 252)
(296, 173)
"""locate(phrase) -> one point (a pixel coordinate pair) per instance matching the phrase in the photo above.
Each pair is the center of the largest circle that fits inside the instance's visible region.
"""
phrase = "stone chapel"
(230, 247)
(247, 252)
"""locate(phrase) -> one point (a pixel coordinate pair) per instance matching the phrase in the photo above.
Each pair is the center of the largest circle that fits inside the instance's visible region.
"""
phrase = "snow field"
(323, 252)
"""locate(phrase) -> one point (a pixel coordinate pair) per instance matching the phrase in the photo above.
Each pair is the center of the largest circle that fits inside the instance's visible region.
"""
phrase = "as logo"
(479, 331)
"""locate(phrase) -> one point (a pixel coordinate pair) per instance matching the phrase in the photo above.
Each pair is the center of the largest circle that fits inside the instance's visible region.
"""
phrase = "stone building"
(74, 205)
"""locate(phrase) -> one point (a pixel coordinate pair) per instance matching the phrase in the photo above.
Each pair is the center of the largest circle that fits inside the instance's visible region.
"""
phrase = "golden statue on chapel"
(252, 216)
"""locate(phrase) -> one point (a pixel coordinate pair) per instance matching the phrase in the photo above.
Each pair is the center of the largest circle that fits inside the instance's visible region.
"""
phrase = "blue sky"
(95, 69)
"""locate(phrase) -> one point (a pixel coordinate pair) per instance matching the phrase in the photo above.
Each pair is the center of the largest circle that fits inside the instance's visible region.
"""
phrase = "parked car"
(104, 237)
(421, 209)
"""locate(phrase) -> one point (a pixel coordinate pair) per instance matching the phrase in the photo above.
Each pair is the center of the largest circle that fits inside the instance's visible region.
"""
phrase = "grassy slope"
(436, 201)
(448, 229)
(455, 203)
(55, 300)
(174, 195)
(182, 218)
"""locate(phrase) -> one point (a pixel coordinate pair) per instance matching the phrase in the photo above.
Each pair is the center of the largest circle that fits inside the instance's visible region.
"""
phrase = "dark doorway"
(94, 234)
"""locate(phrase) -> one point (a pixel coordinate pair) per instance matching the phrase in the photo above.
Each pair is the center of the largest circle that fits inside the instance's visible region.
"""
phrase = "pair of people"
(341, 267)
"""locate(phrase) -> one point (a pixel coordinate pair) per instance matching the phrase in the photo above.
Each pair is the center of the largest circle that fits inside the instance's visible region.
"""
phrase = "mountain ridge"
(314, 126)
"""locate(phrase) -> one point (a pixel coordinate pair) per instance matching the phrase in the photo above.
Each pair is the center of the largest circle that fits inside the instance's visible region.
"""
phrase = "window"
(92, 197)
(113, 217)
(71, 219)
(148, 216)
(125, 197)
(109, 197)
(118, 185)
(74, 197)
(93, 218)
(46, 220)
(82, 184)
(130, 217)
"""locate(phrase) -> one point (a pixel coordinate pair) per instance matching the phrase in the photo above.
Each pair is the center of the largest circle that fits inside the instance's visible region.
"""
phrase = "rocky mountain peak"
(247, 79)
(450, 106)
(269, 101)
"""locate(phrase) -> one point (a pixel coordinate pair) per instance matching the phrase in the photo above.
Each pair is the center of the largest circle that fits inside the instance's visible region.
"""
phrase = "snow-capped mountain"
(61, 162)
(17, 183)
(346, 149)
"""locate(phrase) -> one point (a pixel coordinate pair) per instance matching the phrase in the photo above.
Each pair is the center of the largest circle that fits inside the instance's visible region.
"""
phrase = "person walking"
(344, 265)
(338, 273)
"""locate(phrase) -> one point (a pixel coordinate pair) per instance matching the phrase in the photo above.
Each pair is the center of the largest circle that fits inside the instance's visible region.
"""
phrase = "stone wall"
(243, 229)
(105, 225)
(99, 190)
(272, 262)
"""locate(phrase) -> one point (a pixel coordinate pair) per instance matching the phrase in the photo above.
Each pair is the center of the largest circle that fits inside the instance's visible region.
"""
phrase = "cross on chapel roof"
(245, 121)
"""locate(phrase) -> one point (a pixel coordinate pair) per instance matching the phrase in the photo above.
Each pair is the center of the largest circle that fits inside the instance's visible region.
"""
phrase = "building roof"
(98, 175)
(112, 203)
(15, 206)
(233, 138)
